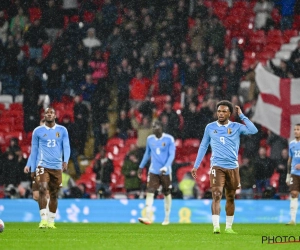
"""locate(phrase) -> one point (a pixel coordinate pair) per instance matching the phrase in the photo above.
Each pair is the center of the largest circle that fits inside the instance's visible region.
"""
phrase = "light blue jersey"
(162, 153)
(294, 153)
(50, 147)
(224, 141)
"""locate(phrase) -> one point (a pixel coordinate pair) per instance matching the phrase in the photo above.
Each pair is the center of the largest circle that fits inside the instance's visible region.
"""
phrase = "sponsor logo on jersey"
(57, 134)
(229, 131)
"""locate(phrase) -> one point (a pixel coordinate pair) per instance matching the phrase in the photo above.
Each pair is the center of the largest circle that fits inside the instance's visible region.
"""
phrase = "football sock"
(149, 203)
(229, 221)
(293, 208)
(168, 203)
(51, 217)
(216, 220)
(43, 213)
(47, 207)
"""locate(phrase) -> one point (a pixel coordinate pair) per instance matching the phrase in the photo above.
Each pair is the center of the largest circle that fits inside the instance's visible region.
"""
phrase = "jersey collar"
(163, 134)
(48, 128)
(220, 125)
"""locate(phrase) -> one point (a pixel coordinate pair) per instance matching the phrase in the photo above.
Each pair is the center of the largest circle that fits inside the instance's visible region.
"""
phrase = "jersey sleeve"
(34, 151)
(249, 128)
(66, 146)
(171, 157)
(146, 155)
(203, 148)
(290, 151)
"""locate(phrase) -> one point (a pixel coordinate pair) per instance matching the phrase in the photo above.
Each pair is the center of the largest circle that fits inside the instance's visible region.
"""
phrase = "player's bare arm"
(194, 173)
(26, 169)
(140, 171)
(288, 175)
(65, 166)
(238, 110)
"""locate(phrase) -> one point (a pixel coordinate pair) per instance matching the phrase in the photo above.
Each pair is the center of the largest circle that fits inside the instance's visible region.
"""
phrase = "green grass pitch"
(141, 237)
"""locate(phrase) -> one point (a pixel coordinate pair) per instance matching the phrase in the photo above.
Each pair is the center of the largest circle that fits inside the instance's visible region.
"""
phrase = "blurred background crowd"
(111, 67)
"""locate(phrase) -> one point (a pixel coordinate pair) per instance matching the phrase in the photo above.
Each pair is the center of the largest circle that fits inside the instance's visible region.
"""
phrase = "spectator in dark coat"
(52, 20)
(165, 78)
(264, 169)
(31, 87)
(103, 167)
(35, 37)
(81, 115)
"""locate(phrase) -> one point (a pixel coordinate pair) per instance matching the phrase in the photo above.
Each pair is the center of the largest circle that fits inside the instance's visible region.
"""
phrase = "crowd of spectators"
(93, 51)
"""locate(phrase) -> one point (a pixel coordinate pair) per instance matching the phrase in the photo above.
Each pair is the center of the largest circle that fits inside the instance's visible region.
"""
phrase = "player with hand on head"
(50, 153)
(161, 148)
(293, 173)
(224, 138)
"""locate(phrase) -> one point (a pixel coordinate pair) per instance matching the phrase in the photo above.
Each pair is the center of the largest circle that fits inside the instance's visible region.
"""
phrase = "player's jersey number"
(297, 153)
(39, 171)
(222, 139)
(51, 143)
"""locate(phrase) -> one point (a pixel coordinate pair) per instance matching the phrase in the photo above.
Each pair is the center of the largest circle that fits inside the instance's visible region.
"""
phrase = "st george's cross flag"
(278, 104)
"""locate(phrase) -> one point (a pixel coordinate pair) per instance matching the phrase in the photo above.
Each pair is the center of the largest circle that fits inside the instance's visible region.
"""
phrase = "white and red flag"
(278, 104)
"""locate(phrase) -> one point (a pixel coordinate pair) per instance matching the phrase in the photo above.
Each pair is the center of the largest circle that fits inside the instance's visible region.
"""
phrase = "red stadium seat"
(34, 14)
(88, 16)
(4, 128)
(16, 106)
(287, 34)
(240, 5)
(46, 48)
(178, 143)
(274, 33)
(182, 171)
(14, 134)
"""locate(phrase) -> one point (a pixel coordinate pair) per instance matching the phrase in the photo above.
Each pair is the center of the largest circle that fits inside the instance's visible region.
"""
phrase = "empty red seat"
(4, 128)
(240, 5)
(16, 106)
(290, 33)
(182, 171)
(14, 134)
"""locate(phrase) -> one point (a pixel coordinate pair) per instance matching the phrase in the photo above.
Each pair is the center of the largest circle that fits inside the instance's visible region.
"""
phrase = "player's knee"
(230, 197)
(217, 195)
(166, 191)
(35, 196)
(42, 190)
(53, 194)
(151, 190)
(294, 194)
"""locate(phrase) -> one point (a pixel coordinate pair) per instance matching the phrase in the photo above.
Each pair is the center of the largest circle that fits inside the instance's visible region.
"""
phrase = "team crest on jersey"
(164, 144)
(229, 131)
(57, 134)
(215, 131)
